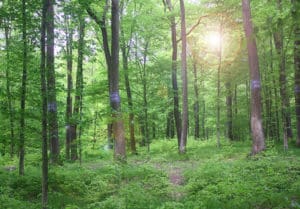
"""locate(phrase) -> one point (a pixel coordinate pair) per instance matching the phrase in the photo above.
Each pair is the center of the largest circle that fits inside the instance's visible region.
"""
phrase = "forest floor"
(205, 177)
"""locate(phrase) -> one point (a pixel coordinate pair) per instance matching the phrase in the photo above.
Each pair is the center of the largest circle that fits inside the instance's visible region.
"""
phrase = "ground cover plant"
(207, 177)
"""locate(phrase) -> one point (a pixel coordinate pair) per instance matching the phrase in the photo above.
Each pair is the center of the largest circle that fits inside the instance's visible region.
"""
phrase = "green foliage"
(213, 178)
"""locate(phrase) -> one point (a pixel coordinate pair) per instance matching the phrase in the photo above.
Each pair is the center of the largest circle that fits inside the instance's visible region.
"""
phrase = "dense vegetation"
(211, 178)
(149, 104)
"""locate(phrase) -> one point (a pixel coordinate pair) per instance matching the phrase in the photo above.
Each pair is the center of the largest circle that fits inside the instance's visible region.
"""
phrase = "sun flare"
(214, 39)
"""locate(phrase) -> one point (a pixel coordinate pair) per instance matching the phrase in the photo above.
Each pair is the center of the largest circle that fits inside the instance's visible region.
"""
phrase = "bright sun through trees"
(214, 39)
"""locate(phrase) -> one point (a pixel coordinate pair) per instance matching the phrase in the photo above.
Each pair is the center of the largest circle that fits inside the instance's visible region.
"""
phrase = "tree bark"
(296, 17)
(229, 111)
(196, 104)
(69, 106)
(174, 74)
(285, 103)
(44, 109)
(79, 89)
(118, 127)
(8, 91)
(52, 105)
(125, 48)
(23, 90)
(258, 142)
(184, 125)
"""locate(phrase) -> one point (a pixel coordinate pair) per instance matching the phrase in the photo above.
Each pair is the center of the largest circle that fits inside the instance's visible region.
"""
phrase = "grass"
(212, 178)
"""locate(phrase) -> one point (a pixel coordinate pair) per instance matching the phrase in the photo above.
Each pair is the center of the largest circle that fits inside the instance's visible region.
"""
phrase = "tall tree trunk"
(102, 24)
(52, 105)
(174, 74)
(118, 127)
(44, 109)
(196, 104)
(23, 91)
(285, 103)
(145, 99)
(79, 89)
(276, 105)
(125, 48)
(203, 104)
(8, 90)
(219, 85)
(184, 125)
(229, 111)
(69, 55)
(258, 143)
(69, 106)
(170, 132)
(296, 16)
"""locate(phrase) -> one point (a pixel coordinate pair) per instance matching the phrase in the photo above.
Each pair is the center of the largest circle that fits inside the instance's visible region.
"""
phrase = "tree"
(296, 17)
(79, 89)
(44, 107)
(258, 142)
(8, 86)
(184, 126)
(51, 89)
(174, 73)
(112, 62)
(23, 90)
(125, 49)
(285, 103)
(69, 105)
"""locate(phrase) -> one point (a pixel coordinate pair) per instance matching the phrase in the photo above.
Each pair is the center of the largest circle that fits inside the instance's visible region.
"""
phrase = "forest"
(157, 104)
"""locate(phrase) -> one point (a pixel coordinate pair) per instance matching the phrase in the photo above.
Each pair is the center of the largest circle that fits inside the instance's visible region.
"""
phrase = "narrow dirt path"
(177, 180)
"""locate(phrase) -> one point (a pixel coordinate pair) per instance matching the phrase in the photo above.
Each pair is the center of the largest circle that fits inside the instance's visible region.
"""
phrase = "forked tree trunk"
(184, 125)
(112, 61)
(258, 143)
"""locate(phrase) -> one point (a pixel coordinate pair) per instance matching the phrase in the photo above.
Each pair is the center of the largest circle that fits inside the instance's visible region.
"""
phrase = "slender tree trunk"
(256, 120)
(274, 81)
(125, 48)
(79, 89)
(279, 44)
(196, 104)
(219, 86)
(52, 105)
(69, 106)
(8, 91)
(184, 125)
(23, 91)
(95, 129)
(44, 109)
(102, 24)
(236, 129)
(174, 74)
(118, 127)
(296, 16)
(170, 132)
(229, 111)
(145, 99)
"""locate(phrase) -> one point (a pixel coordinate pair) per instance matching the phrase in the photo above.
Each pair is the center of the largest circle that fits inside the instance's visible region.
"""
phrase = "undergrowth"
(214, 177)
